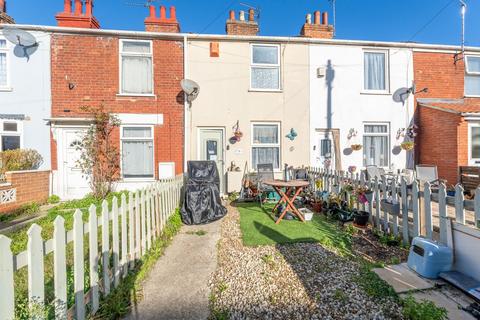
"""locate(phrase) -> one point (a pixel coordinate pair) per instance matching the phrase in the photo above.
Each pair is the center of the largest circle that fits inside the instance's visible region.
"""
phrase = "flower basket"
(407, 146)
(356, 147)
(238, 134)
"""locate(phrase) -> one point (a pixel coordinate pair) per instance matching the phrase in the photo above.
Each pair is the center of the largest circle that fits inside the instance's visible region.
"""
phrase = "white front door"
(74, 184)
(324, 150)
(211, 148)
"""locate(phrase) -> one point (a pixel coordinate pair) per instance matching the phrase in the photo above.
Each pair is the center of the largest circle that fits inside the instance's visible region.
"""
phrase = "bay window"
(265, 67)
(376, 144)
(375, 71)
(266, 144)
(137, 152)
(136, 68)
(472, 75)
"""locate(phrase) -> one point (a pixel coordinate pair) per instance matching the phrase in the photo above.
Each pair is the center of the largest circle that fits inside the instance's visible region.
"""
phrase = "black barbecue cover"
(202, 194)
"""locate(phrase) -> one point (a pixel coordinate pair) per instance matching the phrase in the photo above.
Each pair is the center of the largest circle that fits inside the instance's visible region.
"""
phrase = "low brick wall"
(22, 187)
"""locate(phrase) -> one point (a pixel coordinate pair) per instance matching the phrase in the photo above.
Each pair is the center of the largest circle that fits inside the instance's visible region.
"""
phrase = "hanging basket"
(407, 146)
(238, 134)
(356, 147)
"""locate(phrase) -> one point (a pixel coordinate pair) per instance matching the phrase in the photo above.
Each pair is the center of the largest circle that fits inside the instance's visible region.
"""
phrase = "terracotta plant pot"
(317, 206)
(356, 147)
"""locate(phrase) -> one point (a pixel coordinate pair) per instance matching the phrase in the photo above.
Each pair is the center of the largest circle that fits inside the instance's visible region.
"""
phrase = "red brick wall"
(441, 141)
(31, 186)
(437, 72)
(91, 63)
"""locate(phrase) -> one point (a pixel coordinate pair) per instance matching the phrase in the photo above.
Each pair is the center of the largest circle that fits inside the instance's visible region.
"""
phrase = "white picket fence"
(135, 224)
(415, 204)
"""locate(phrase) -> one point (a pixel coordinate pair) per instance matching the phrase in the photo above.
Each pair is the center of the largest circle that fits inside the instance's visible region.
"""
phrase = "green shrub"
(20, 159)
(53, 199)
(424, 310)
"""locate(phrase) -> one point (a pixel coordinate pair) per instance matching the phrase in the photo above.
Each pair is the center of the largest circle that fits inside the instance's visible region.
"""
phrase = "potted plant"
(407, 145)
(360, 218)
(238, 134)
(356, 147)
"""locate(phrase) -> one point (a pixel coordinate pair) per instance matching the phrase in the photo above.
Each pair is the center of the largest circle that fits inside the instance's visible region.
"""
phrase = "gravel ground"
(294, 281)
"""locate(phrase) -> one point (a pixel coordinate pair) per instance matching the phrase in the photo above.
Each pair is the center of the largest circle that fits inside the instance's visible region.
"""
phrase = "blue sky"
(383, 20)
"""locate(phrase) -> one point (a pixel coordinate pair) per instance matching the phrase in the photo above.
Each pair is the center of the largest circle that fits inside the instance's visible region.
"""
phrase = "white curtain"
(137, 159)
(265, 133)
(265, 155)
(137, 75)
(3, 69)
(374, 71)
(475, 136)
(375, 151)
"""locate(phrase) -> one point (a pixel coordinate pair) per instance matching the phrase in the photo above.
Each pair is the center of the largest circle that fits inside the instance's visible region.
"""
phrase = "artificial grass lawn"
(259, 228)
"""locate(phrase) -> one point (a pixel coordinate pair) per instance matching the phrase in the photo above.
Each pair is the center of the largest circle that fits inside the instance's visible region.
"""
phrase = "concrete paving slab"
(177, 287)
(402, 278)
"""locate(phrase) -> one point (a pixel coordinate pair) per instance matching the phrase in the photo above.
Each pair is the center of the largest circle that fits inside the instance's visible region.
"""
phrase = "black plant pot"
(344, 215)
(360, 218)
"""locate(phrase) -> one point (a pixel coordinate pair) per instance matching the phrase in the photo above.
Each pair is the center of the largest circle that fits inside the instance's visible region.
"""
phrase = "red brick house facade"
(134, 75)
(449, 113)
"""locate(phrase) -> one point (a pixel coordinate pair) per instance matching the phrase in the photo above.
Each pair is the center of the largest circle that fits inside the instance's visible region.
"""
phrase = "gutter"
(215, 37)
(186, 123)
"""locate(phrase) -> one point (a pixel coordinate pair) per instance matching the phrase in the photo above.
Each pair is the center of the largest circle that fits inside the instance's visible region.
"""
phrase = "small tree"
(99, 158)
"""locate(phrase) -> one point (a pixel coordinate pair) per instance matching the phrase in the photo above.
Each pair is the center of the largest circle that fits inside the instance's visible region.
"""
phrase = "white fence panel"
(93, 256)
(78, 265)
(105, 248)
(36, 277)
(115, 242)
(60, 268)
(7, 301)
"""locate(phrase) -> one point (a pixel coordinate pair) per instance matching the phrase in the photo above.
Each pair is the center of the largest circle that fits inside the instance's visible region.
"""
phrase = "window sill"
(266, 90)
(132, 95)
(376, 93)
(466, 96)
(6, 89)
(128, 180)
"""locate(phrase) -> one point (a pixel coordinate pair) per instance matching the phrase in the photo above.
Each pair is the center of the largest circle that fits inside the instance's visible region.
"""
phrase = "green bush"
(20, 159)
(53, 199)
(424, 310)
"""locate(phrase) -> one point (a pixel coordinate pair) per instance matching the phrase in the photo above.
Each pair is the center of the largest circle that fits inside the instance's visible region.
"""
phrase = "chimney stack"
(242, 26)
(4, 17)
(76, 16)
(319, 29)
(162, 23)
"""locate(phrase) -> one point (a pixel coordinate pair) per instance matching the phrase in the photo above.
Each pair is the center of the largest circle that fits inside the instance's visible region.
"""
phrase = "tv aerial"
(402, 94)
(191, 89)
(25, 43)
(255, 9)
(145, 4)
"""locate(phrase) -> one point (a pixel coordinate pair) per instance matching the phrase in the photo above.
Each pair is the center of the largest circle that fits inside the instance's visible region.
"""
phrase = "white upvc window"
(136, 67)
(376, 71)
(472, 76)
(137, 152)
(11, 132)
(376, 144)
(474, 143)
(4, 72)
(266, 144)
(265, 73)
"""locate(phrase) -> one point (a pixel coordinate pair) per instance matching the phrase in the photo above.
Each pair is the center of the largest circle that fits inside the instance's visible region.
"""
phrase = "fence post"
(115, 242)
(427, 197)
(93, 256)
(143, 223)
(131, 231)
(59, 268)
(459, 210)
(415, 209)
(138, 239)
(442, 213)
(157, 209)
(377, 204)
(404, 191)
(78, 265)
(7, 302)
(395, 199)
(148, 208)
(153, 213)
(36, 281)
(105, 248)
(123, 212)
(385, 213)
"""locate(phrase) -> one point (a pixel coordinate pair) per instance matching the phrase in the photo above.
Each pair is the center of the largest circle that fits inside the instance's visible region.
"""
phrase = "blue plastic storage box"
(429, 258)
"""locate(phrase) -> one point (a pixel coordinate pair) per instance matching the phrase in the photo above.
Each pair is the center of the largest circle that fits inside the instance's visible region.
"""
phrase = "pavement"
(406, 282)
(177, 287)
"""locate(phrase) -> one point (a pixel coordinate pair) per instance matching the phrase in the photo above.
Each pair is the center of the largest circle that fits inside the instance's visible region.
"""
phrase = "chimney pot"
(67, 6)
(251, 15)
(78, 7)
(317, 17)
(242, 15)
(232, 15)
(308, 19)
(153, 13)
(89, 8)
(325, 18)
(76, 18)
(173, 13)
(163, 13)
(3, 6)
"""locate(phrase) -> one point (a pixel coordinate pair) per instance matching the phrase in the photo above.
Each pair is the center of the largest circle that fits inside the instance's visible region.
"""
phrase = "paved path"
(177, 287)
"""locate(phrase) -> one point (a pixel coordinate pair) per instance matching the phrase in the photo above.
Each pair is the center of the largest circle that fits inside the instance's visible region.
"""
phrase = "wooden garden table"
(292, 190)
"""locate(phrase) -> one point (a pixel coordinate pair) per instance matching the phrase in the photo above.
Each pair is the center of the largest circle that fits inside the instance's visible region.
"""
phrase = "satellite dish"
(191, 89)
(25, 43)
(19, 37)
(401, 95)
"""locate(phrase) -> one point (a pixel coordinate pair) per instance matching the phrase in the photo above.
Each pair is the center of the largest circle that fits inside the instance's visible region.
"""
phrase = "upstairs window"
(265, 67)
(472, 75)
(136, 71)
(375, 71)
(3, 64)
